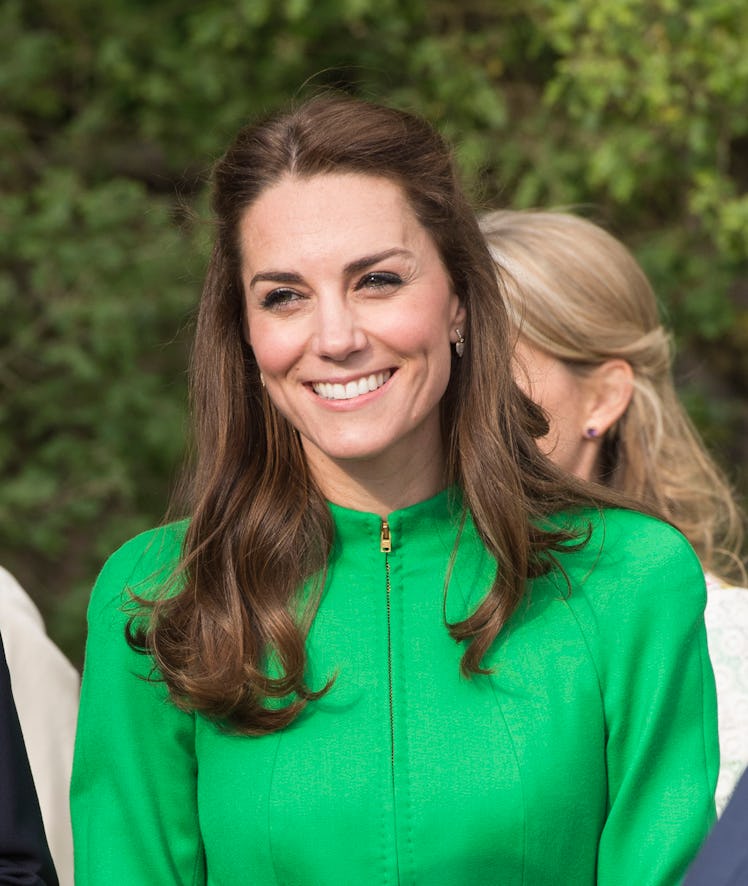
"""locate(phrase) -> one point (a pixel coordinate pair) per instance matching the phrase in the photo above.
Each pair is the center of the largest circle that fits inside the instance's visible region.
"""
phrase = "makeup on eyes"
(376, 280)
(278, 297)
(379, 280)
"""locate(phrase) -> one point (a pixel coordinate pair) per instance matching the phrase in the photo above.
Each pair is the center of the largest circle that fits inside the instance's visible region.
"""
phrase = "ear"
(458, 318)
(610, 387)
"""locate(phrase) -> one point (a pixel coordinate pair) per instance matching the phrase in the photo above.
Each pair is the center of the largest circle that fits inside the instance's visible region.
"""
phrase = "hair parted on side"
(225, 635)
(576, 292)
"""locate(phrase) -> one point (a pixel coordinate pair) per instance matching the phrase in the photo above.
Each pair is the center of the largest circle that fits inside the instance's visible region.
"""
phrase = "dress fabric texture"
(727, 635)
(588, 755)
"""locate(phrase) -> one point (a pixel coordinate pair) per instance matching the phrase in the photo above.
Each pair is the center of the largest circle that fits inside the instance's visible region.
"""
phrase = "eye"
(279, 298)
(379, 280)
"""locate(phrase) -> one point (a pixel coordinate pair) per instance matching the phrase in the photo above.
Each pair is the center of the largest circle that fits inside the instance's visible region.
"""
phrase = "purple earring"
(590, 433)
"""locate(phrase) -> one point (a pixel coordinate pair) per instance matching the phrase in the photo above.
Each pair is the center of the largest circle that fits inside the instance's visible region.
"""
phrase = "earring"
(460, 343)
(262, 380)
(591, 433)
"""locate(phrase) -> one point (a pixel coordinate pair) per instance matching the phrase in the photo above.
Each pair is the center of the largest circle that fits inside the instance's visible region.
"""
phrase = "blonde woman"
(592, 352)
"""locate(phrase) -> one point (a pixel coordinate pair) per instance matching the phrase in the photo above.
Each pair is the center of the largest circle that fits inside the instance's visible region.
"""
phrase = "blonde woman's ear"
(610, 388)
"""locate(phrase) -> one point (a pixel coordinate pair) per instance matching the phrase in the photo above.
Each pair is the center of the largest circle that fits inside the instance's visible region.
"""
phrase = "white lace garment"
(727, 634)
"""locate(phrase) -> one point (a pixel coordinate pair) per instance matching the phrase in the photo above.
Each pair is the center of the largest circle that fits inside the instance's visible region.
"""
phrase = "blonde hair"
(577, 293)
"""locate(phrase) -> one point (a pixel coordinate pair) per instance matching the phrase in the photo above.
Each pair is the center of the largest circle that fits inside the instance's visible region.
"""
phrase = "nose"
(338, 330)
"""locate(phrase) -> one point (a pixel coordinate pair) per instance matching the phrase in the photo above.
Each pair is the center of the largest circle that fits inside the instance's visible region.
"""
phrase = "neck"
(379, 486)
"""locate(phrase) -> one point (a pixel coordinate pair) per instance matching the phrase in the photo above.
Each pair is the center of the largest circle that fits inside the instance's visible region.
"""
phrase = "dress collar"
(432, 514)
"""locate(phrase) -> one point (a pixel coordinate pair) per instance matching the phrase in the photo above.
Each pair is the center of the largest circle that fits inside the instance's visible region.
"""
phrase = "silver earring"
(262, 380)
(460, 343)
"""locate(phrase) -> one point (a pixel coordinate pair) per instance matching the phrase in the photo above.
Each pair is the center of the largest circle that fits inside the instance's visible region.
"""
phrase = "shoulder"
(29, 651)
(15, 603)
(628, 542)
(727, 605)
(631, 565)
(636, 593)
(153, 548)
(718, 589)
(618, 530)
(140, 566)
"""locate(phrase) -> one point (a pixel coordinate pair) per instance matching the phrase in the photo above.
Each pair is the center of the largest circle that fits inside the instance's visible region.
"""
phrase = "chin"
(353, 451)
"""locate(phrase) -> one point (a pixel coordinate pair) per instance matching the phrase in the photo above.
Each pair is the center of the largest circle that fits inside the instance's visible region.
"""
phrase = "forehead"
(331, 212)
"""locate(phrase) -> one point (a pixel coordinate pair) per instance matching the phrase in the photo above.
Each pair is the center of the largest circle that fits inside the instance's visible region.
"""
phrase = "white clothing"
(45, 689)
(726, 618)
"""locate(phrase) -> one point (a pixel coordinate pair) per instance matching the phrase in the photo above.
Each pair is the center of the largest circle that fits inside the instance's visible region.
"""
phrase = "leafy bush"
(630, 110)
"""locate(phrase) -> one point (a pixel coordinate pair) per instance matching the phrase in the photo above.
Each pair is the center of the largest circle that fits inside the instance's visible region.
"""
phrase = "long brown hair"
(576, 292)
(225, 637)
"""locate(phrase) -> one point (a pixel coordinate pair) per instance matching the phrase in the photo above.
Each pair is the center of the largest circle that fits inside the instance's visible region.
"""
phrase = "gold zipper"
(385, 542)
(385, 546)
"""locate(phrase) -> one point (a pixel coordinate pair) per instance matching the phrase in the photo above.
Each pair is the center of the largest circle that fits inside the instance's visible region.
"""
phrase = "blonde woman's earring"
(460, 343)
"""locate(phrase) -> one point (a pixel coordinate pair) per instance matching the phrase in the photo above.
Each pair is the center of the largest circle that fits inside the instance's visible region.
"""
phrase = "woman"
(328, 679)
(594, 355)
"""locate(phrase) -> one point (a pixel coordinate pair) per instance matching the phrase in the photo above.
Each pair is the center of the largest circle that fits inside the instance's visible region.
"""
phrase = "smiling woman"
(353, 335)
(391, 642)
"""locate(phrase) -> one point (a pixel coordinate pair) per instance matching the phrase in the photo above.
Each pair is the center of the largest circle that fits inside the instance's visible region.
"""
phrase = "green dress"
(588, 755)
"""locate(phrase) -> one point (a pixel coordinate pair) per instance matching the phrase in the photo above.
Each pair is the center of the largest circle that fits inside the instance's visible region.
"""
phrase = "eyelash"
(379, 280)
(277, 298)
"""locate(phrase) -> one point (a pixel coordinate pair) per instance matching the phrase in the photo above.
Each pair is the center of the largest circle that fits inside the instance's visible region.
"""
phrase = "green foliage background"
(635, 111)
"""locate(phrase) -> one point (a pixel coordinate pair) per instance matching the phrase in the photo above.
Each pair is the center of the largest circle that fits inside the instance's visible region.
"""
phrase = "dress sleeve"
(134, 787)
(660, 707)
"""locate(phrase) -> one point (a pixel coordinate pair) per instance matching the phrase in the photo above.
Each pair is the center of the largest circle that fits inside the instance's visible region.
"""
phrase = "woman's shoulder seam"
(140, 559)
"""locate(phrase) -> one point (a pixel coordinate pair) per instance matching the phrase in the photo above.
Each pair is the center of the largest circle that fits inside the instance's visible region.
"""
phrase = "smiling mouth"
(363, 385)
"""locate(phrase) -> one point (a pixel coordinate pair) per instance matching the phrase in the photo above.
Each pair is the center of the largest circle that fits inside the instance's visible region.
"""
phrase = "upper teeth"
(353, 388)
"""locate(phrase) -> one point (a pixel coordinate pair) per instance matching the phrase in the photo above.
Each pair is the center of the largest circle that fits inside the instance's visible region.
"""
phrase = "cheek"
(419, 339)
(418, 329)
(560, 396)
(522, 379)
(564, 405)
(557, 398)
(550, 386)
(275, 349)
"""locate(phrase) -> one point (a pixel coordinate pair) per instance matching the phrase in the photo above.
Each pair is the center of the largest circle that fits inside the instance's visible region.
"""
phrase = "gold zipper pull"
(385, 542)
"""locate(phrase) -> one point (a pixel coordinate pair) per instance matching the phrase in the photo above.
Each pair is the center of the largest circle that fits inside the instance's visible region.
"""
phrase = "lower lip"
(354, 402)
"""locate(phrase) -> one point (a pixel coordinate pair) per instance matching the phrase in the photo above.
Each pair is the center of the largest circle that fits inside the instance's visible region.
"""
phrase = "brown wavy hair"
(576, 292)
(226, 635)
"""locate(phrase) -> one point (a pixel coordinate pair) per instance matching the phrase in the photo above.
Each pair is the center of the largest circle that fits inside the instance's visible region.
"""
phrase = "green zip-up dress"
(589, 755)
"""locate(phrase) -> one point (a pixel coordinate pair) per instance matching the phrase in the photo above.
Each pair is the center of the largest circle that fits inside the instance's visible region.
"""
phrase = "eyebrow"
(275, 277)
(359, 264)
